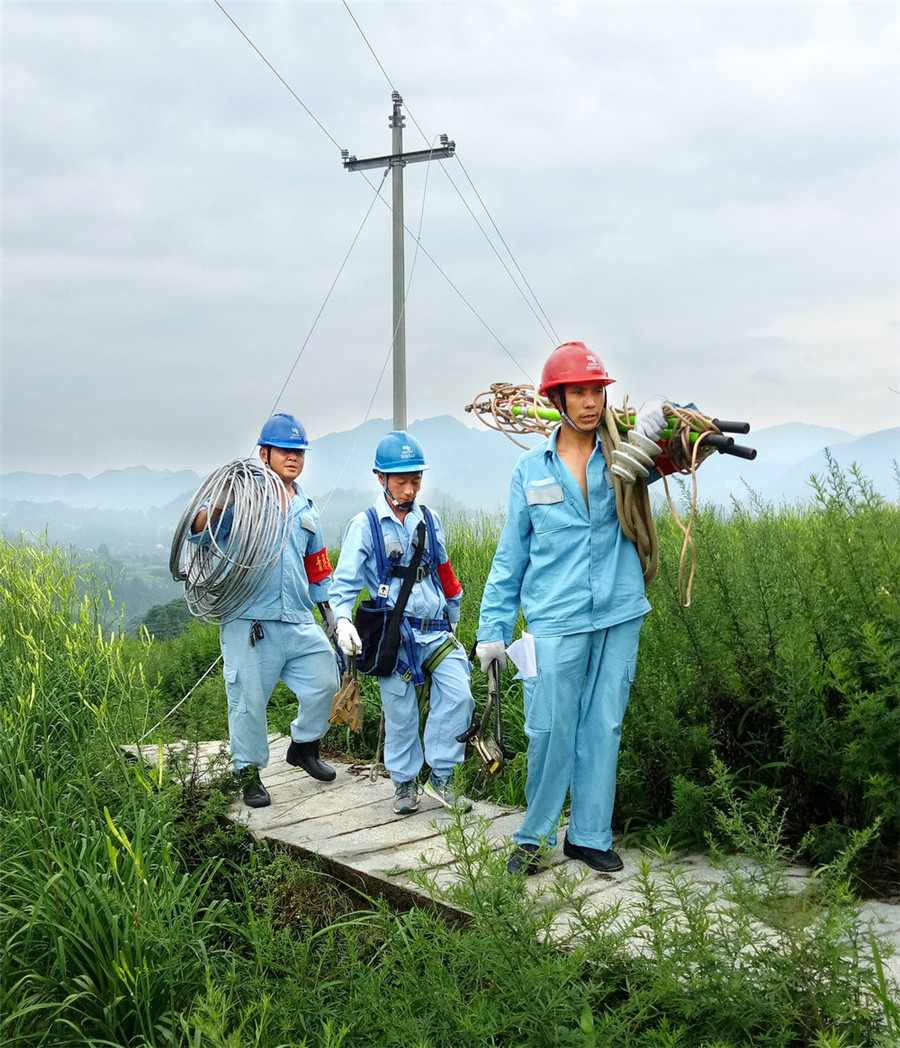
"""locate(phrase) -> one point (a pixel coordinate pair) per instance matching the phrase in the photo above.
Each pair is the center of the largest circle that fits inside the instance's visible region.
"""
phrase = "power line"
(297, 98)
(536, 307)
(376, 196)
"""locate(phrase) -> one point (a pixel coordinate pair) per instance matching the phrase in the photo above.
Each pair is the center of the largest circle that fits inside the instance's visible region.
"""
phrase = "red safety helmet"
(572, 362)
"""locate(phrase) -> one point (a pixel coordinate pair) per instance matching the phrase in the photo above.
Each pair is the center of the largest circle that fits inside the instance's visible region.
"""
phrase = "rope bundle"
(519, 409)
(222, 573)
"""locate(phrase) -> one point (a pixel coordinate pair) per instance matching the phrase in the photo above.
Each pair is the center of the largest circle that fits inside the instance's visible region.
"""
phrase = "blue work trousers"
(574, 709)
(450, 715)
(296, 652)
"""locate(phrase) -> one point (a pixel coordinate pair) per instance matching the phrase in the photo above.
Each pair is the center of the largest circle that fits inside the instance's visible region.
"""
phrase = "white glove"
(488, 651)
(223, 499)
(347, 637)
(650, 420)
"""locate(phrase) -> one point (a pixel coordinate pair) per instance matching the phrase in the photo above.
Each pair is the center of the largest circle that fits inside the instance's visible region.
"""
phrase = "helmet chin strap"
(406, 506)
(564, 415)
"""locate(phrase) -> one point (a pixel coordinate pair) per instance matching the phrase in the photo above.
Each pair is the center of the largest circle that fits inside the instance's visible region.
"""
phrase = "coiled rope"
(516, 410)
(229, 565)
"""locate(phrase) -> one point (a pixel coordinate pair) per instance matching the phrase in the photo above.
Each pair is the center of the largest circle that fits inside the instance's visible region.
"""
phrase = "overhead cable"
(377, 193)
(297, 98)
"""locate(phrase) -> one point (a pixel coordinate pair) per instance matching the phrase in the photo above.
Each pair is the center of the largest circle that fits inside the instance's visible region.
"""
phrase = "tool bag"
(377, 624)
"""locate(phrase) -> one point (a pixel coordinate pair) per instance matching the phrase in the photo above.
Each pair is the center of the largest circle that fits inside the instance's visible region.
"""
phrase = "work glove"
(488, 651)
(347, 638)
(650, 420)
(223, 498)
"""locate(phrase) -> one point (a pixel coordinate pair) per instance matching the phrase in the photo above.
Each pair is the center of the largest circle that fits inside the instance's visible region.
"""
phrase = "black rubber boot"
(255, 794)
(305, 755)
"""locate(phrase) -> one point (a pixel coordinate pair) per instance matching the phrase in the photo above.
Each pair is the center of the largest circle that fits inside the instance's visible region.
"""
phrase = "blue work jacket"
(567, 563)
(357, 566)
(288, 595)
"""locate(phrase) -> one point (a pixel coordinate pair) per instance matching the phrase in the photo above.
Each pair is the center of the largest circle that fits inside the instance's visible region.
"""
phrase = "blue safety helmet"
(283, 431)
(399, 452)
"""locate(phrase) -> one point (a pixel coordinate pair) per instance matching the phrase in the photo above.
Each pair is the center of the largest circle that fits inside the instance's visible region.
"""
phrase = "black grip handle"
(719, 441)
(731, 427)
(739, 451)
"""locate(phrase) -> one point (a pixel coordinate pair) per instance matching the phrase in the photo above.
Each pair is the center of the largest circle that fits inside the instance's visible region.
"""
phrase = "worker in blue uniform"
(276, 635)
(564, 559)
(429, 649)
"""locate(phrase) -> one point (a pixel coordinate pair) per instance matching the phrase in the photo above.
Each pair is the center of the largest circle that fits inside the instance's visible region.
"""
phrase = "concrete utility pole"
(397, 161)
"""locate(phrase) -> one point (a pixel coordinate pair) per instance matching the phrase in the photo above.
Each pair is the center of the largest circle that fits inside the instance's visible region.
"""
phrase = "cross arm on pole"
(442, 152)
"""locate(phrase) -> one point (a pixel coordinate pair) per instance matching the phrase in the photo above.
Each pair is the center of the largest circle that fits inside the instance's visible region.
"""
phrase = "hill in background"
(135, 511)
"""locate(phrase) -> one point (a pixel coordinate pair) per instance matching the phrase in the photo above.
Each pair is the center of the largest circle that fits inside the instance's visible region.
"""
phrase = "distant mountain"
(136, 487)
(137, 509)
(788, 455)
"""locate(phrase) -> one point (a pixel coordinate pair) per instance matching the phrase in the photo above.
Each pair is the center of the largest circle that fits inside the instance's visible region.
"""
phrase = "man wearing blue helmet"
(276, 636)
(429, 653)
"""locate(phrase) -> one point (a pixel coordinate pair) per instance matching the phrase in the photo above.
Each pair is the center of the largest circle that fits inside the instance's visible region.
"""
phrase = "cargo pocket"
(233, 690)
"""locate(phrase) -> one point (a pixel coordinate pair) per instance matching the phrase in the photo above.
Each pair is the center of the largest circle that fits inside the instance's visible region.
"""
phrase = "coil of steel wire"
(224, 566)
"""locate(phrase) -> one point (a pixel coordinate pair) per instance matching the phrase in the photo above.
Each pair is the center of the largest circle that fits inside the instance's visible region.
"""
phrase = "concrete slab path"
(349, 826)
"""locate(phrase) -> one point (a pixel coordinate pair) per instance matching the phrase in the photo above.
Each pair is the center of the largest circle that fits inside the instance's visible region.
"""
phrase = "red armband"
(450, 584)
(317, 565)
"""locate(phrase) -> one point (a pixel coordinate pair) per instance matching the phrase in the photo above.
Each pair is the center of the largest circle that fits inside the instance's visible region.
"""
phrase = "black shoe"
(604, 861)
(305, 755)
(525, 859)
(255, 794)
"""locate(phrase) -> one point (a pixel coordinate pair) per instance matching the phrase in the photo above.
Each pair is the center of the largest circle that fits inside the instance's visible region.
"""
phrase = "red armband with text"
(450, 584)
(317, 565)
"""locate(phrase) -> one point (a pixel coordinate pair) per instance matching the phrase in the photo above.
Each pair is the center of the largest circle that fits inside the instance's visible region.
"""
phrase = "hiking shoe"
(255, 794)
(406, 797)
(525, 859)
(442, 790)
(604, 861)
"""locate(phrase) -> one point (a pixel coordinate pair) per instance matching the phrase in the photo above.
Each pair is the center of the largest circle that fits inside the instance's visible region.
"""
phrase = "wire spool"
(230, 561)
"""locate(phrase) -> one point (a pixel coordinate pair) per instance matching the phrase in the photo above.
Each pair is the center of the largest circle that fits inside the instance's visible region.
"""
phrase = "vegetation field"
(764, 721)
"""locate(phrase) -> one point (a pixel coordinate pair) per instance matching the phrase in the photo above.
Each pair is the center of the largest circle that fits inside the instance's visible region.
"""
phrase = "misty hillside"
(136, 510)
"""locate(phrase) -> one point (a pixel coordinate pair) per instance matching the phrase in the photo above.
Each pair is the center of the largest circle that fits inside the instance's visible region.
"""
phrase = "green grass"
(763, 717)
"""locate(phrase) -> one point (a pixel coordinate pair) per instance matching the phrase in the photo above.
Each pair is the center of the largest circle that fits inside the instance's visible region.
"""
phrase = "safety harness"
(409, 667)
(388, 567)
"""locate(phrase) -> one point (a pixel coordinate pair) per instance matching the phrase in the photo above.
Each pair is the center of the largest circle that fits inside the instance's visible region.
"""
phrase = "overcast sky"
(704, 193)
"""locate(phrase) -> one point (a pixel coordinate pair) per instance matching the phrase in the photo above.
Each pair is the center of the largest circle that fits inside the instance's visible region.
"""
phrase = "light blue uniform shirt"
(287, 595)
(570, 568)
(358, 568)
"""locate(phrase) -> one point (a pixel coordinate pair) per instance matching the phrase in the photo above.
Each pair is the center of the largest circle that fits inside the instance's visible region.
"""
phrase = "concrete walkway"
(349, 826)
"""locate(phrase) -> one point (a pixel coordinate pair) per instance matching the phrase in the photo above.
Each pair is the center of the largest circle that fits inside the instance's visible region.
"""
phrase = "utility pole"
(397, 161)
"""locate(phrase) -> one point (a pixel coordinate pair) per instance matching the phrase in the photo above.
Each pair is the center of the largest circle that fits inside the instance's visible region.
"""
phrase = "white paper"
(522, 653)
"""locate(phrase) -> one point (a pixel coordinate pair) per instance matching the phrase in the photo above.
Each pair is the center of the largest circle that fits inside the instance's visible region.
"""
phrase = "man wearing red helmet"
(564, 559)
